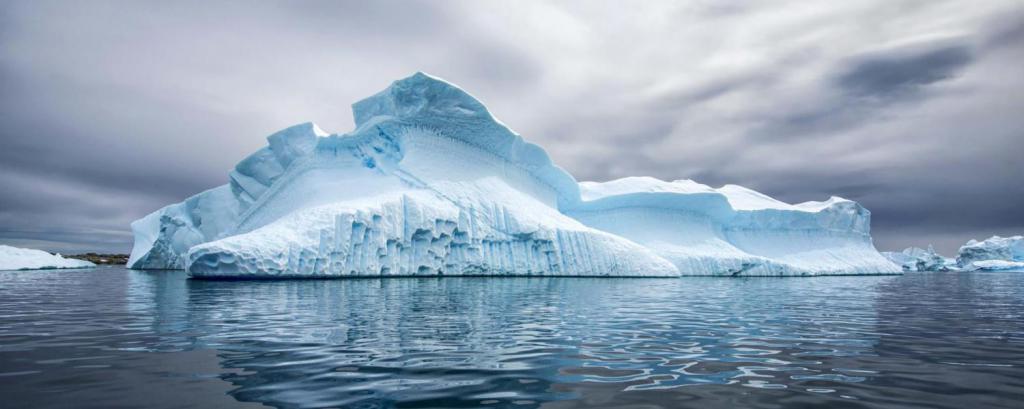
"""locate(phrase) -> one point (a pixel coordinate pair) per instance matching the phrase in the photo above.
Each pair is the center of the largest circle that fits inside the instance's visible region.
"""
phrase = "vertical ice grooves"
(411, 235)
(404, 238)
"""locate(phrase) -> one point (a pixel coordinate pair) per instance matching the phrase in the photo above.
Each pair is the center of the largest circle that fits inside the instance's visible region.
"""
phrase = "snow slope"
(430, 183)
(733, 230)
(15, 258)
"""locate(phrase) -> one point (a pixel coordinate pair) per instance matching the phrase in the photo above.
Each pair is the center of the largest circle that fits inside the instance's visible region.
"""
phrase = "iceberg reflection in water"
(154, 339)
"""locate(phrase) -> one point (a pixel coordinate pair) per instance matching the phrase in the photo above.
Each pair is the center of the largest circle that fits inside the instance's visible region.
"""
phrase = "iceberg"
(918, 259)
(994, 253)
(15, 258)
(733, 230)
(430, 183)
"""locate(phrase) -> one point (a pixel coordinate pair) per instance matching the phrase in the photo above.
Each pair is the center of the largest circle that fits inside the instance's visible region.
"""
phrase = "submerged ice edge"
(430, 183)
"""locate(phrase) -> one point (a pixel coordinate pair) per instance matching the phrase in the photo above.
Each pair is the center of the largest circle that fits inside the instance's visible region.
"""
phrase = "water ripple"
(113, 337)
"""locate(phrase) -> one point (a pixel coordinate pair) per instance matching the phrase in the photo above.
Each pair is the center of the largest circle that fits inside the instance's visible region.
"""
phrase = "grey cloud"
(679, 100)
(864, 87)
(67, 215)
(903, 70)
(931, 163)
(1006, 30)
(497, 68)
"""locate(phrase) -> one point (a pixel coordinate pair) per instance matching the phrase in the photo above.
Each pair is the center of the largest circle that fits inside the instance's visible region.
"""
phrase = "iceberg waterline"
(430, 183)
(15, 258)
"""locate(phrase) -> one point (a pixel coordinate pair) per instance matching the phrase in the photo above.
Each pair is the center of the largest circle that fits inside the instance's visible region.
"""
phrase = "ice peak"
(424, 106)
(420, 94)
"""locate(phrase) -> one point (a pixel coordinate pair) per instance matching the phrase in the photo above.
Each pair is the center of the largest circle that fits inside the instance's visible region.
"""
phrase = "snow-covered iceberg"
(430, 183)
(733, 230)
(994, 253)
(918, 259)
(15, 258)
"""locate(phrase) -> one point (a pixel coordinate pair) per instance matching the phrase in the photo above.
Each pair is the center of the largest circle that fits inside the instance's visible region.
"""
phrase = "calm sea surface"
(115, 338)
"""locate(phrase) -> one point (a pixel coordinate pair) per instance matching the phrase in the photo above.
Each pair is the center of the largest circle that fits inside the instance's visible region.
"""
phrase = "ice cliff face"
(994, 253)
(430, 183)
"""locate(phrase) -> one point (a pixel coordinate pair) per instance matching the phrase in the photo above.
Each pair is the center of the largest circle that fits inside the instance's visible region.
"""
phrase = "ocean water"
(112, 337)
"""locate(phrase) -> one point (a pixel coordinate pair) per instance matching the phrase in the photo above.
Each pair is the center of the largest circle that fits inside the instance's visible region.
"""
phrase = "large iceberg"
(994, 253)
(918, 259)
(430, 183)
(16, 258)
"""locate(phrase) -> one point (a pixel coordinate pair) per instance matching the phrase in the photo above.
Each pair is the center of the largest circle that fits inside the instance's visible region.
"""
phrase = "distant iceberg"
(430, 183)
(994, 253)
(15, 258)
(918, 259)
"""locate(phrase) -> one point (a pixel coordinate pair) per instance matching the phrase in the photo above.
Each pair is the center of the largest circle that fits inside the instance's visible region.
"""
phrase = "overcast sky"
(111, 110)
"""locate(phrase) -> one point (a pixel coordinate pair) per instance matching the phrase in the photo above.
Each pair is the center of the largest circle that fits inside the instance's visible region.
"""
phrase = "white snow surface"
(733, 230)
(16, 258)
(430, 183)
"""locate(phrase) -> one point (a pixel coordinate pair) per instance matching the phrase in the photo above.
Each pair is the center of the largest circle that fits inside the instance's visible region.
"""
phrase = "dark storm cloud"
(109, 110)
(894, 72)
(962, 179)
(861, 88)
